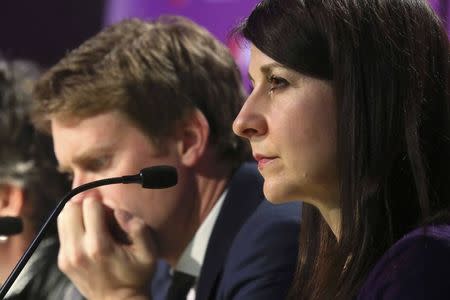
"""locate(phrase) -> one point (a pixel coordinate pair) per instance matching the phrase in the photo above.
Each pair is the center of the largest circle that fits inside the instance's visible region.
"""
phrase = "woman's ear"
(193, 138)
(12, 199)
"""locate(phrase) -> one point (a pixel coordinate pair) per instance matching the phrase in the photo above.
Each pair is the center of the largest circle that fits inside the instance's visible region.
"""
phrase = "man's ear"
(193, 138)
(11, 200)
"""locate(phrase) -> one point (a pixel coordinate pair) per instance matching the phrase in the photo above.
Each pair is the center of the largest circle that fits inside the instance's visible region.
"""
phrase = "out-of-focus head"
(156, 73)
(26, 155)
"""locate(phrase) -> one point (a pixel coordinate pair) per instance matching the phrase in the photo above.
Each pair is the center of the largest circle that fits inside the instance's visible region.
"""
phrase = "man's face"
(108, 145)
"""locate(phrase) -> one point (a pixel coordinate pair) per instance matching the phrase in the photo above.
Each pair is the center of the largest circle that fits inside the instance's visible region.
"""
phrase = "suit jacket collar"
(193, 256)
(244, 195)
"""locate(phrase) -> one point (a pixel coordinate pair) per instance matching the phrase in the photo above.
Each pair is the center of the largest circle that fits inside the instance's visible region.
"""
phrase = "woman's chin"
(277, 194)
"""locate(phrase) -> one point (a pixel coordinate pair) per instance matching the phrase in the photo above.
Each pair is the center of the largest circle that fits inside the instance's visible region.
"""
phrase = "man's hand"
(97, 264)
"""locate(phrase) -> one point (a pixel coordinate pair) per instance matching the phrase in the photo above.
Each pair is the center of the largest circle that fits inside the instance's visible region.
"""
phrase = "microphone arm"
(157, 177)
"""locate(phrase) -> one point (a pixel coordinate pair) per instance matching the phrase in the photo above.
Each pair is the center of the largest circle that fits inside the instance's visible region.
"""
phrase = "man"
(149, 93)
(27, 164)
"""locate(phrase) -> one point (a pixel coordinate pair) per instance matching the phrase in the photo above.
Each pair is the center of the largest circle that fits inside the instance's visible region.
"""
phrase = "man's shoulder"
(262, 258)
(270, 229)
(252, 217)
(243, 199)
(253, 249)
(265, 222)
(268, 212)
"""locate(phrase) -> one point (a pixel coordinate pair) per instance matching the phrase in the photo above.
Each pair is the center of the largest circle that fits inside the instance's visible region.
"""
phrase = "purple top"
(415, 267)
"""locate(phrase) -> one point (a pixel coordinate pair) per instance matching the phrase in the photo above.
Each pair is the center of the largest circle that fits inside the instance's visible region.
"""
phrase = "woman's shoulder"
(415, 267)
(433, 232)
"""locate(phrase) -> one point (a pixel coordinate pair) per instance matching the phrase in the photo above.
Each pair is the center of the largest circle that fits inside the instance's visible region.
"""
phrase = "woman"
(350, 113)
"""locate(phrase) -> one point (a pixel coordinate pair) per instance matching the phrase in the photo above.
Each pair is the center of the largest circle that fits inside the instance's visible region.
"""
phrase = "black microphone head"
(159, 177)
(10, 226)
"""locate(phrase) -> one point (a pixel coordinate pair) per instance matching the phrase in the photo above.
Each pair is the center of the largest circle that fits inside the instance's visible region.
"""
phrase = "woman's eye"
(277, 83)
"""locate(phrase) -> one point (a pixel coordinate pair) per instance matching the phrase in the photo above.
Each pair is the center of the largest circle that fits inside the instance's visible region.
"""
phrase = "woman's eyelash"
(277, 82)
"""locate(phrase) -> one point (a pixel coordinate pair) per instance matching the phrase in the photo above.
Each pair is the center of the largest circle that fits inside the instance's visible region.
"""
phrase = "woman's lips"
(263, 161)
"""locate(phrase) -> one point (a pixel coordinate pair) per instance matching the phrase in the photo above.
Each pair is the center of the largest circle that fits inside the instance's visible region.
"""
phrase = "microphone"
(10, 226)
(157, 177)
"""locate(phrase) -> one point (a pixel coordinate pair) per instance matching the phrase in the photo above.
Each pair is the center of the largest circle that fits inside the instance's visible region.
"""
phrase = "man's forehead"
(84, 153)
(104, 122)
(75, 137)
(68, 120)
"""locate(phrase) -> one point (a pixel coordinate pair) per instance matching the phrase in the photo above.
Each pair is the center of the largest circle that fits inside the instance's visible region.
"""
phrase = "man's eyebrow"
(85, 158)
(90, 155)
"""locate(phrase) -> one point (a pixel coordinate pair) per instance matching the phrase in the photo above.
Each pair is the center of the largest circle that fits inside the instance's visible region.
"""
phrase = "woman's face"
(290, 121)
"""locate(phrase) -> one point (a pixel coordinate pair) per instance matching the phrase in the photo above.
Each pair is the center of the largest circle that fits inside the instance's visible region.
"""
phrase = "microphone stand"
(139, 178)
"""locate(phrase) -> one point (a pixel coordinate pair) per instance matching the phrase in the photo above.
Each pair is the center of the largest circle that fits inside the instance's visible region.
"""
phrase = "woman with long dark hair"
(350, 112)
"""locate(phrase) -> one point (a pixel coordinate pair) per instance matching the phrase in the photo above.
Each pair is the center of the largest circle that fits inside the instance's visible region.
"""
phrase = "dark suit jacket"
(253, 247)
(41, 279)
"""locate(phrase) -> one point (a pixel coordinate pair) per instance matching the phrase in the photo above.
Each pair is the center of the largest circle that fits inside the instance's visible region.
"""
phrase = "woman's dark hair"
(388, 61)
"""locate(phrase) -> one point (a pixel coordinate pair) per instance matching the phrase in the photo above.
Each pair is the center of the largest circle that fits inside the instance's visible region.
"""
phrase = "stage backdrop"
(218, 16)
(442, 7)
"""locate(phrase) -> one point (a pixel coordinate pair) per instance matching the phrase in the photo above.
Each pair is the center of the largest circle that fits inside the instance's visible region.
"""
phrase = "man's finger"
(143, 241)
(71, 232)
(98, 240)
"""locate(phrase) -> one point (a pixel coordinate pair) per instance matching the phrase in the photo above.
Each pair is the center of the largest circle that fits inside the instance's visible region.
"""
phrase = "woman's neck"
(333, 218)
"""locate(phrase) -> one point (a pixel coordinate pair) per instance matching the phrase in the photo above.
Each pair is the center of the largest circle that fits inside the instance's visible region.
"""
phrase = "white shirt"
(191, 260)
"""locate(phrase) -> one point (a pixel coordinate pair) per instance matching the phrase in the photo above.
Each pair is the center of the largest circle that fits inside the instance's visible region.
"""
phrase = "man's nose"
(80, 179)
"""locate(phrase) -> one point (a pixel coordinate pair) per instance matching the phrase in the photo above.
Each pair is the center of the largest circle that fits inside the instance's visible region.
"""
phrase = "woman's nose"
(250, 122)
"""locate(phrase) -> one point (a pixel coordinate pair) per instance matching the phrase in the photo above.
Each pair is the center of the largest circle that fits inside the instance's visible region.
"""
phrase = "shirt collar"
(191, 260)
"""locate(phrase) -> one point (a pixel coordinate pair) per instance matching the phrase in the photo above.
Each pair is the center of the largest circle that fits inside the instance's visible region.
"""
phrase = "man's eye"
(97, 164)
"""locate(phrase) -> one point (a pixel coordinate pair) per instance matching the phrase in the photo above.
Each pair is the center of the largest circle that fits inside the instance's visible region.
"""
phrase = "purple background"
(218, 16)
(442, 7)
(45, 30)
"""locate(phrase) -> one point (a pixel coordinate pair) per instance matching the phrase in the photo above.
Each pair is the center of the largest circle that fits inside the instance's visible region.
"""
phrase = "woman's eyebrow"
(268, 68)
